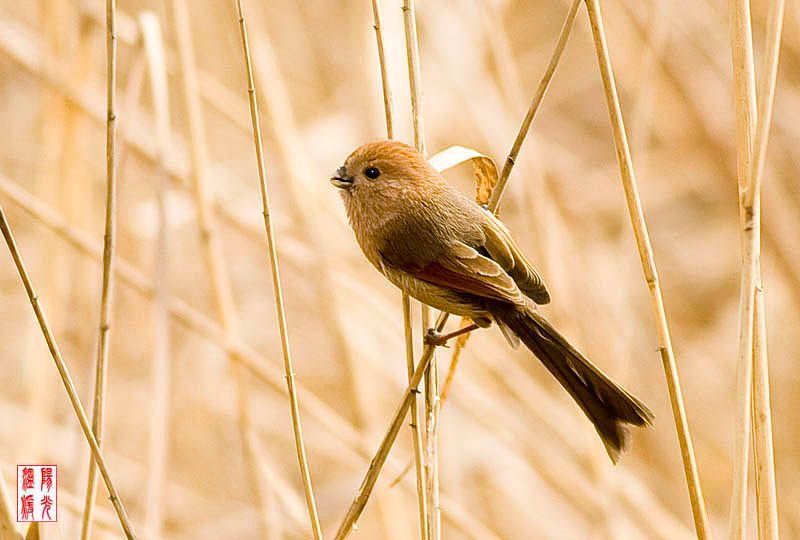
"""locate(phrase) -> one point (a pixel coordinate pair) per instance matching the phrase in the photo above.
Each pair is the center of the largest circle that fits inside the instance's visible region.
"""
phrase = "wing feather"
(463, 269)
(504, 251)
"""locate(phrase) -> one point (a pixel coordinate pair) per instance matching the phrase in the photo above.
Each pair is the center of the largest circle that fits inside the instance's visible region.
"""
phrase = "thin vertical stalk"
(763, 451)
(387, 91)
(214, 257)
(65, 377)
(544, 84)
(109, 245)
(766, 96)
(749, 214)
(273, 257)
(416, 435)
(431, 454)
(432, 441)
(414, 76)
(651, 276)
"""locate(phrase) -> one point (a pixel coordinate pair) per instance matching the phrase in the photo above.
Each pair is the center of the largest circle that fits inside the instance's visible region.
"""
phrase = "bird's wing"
(461, 268)
(504, 251)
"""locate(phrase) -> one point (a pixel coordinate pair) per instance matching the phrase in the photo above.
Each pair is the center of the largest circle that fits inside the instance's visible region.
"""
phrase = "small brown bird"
(450, 253)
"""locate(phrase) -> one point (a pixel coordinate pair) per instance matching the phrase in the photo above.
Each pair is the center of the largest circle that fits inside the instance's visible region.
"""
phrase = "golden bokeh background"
(200, 449)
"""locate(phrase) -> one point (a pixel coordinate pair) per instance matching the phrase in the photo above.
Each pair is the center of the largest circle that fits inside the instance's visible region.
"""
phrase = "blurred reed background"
(198, 432)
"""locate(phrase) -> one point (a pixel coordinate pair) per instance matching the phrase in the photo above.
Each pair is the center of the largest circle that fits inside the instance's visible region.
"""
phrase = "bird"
(451, 253)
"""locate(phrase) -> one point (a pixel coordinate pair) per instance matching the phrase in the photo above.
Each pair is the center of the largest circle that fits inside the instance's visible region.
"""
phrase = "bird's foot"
(437, 339)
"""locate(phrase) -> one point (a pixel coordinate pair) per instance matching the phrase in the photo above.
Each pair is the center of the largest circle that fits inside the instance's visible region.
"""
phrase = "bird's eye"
(372, 172)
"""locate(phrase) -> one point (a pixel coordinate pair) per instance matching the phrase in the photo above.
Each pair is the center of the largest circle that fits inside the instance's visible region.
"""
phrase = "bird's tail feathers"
(606, 404)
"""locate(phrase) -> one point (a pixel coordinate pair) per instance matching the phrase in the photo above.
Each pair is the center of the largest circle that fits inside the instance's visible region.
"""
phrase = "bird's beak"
(340, 179)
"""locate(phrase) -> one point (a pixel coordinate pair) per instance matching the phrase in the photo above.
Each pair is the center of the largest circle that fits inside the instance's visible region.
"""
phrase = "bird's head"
(383, 167)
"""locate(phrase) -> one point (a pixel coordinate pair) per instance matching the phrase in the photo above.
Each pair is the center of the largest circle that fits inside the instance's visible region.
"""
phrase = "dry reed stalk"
(431, 451)
(150, 30)
(109, 246)
(414, 76)
(763, 452)
(430, 454)
(544, 84)
(65, 376)
(131, 95)
(215, 261)
(273, 257)
(255, 362)
(416, 435)
(766, 93)
(749, 220)
(387, 91)
(651, 276)
(379, 459)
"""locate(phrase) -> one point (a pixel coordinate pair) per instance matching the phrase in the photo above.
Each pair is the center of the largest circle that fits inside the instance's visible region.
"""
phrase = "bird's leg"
(438, 339)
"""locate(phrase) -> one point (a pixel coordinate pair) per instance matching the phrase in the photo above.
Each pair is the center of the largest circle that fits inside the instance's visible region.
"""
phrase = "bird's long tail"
(607, 405)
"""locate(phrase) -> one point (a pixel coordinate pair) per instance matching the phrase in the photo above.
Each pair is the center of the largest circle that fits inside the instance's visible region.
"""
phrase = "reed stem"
(109, 245)
(627, 174)
(72, 393)
(273, 258)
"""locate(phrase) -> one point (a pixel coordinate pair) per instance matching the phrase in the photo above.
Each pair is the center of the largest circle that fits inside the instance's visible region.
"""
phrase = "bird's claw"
(437, 339)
